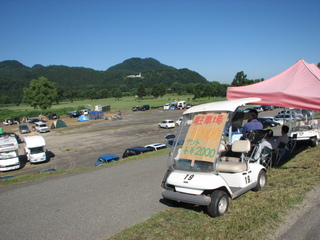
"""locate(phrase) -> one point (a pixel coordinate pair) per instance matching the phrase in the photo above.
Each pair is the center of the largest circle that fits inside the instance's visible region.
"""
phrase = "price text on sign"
(203, 137)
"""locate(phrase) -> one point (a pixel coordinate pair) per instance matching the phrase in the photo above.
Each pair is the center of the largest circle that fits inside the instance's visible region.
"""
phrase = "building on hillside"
(135, 76)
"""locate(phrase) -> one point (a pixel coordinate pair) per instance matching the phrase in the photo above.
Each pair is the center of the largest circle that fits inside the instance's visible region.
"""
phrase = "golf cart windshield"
(202, 133)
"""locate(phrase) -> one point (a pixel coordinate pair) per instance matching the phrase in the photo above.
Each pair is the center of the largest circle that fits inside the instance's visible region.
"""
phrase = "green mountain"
(139, 65)
(15, 76)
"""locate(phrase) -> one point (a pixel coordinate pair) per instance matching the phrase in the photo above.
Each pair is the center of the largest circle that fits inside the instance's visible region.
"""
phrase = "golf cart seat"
(234, 164)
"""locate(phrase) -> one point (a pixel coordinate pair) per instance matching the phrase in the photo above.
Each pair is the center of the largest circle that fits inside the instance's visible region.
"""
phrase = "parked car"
(166, 106)
(171, 142)
(75, 114)
(107, 158)
(167, 124)
(34, 120)
(136, 109)
(280, 121)
(285, 118)
(156, 146)
(135, 151)
(267, 123)
(145, 107)
(259, 109)
(53, 116)
(284, 112)
(41, 127)
(267, 107)
(24, 129)
(9, 121)
(179, 121)
(189, 106)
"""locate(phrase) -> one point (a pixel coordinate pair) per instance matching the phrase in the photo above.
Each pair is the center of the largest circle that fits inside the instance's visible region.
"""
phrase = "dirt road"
(79, 144)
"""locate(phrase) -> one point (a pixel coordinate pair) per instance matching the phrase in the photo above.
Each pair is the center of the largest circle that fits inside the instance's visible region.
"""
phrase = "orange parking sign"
(203, 137)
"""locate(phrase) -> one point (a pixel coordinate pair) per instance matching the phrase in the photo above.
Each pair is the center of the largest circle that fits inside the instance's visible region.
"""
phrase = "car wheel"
(261, 181)
(314, 142)
(166, 127)
(219, 203)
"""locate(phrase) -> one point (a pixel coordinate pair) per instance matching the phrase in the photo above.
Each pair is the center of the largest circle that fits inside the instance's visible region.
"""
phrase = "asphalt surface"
(89, 205)
(303, 221)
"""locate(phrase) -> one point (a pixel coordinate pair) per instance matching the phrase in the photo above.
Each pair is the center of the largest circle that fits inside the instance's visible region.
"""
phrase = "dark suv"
(75, 114)
(145, 107)
(135, 151)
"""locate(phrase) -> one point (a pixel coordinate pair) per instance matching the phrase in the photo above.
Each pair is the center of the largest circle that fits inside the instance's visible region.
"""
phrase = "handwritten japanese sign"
(203, 137)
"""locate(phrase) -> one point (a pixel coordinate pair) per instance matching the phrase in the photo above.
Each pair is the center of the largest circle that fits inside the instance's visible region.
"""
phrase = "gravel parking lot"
(79, 144)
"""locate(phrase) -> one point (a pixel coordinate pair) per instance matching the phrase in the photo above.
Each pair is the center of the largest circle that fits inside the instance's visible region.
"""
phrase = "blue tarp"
(96, 115)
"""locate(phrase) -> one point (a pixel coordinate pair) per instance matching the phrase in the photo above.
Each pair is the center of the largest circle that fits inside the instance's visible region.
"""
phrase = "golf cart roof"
(230, 105)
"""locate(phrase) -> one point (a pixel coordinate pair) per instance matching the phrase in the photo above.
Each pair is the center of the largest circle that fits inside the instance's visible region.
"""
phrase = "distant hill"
(139, 65)
(15, 76)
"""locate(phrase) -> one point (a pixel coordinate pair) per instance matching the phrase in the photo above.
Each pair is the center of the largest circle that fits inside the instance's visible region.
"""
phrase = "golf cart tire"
(219, 203)
(261, 181)
(314, 142)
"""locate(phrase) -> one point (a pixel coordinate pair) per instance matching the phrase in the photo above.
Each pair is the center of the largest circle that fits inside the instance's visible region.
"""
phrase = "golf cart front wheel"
(219, 203)
(261, 181)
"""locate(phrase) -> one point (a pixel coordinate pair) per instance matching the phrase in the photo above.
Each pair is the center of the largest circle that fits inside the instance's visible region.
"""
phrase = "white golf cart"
(210, 168)
(307, 131)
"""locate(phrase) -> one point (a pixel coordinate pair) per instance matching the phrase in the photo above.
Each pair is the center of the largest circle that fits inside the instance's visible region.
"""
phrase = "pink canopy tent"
(296, 87)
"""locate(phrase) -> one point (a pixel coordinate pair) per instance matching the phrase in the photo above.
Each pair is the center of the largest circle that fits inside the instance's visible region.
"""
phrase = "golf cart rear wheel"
(261, 181)
(314, 142)
(219, 203)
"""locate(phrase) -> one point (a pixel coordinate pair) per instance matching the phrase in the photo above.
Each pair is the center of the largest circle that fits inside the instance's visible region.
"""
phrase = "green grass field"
(125, 103)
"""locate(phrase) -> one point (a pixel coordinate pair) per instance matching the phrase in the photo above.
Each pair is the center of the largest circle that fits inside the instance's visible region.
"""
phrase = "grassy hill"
(14, 76)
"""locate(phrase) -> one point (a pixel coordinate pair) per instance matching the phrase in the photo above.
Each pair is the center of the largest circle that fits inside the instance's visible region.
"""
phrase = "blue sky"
(215, 38)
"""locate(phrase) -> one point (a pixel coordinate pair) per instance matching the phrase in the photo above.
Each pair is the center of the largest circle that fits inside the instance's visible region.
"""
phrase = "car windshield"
(36, 150)
(202, 137)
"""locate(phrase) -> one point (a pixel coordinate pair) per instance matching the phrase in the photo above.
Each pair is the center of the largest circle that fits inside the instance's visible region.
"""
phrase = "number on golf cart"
(247, 179)
(188, 177)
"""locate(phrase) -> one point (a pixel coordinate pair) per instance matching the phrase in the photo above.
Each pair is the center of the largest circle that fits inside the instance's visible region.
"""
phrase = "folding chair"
(292, 143)
(282, 152)
(266, 157)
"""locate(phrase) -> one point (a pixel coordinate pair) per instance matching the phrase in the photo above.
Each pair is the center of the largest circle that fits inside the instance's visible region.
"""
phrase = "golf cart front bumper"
(187, 198)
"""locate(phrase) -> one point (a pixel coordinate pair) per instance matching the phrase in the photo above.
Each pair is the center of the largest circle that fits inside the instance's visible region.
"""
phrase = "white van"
(166, 106)
(34, 148)
(41, 127)
(182, 105)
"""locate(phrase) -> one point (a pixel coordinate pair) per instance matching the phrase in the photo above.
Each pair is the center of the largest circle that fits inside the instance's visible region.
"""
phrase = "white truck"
(34, 148)
(9, 156)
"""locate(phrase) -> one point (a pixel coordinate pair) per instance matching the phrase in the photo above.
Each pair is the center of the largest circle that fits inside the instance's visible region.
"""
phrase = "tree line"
(42, 93)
